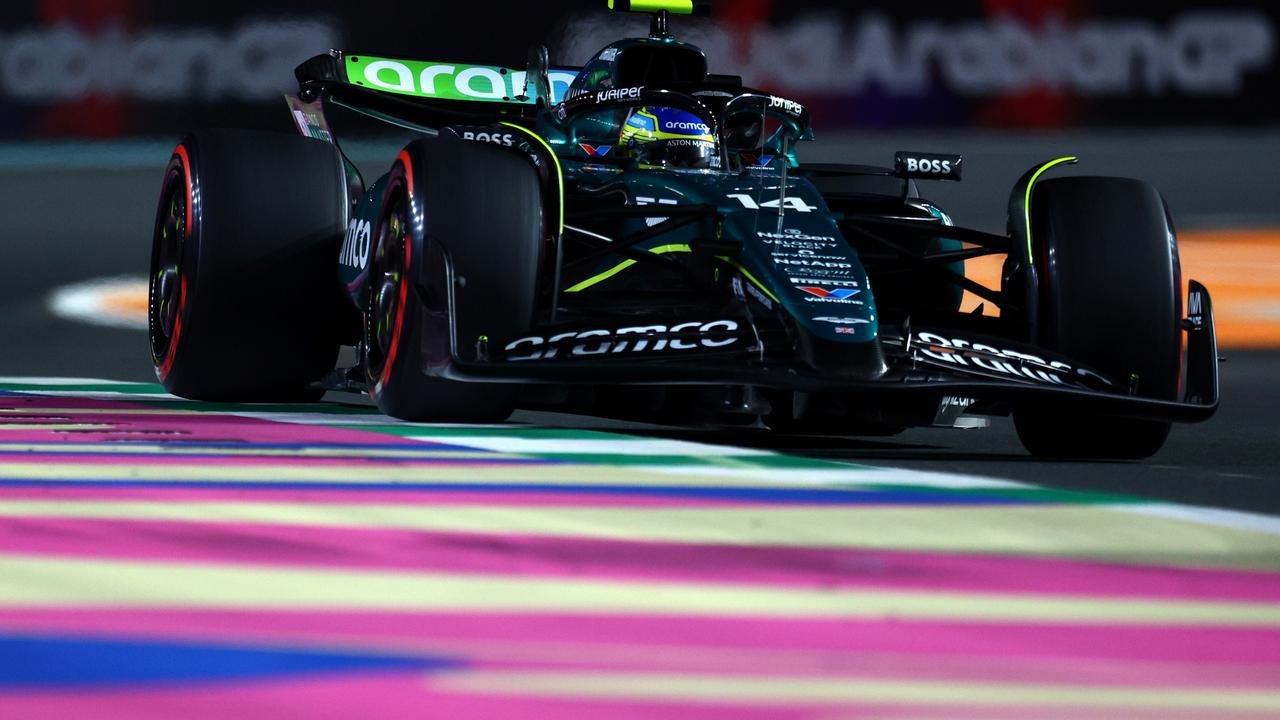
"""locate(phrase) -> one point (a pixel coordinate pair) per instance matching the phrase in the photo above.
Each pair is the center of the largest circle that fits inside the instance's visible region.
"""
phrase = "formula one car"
(637, 238)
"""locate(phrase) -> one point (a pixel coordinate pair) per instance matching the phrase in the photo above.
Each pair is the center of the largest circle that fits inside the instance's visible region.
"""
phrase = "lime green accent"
(679, 7)
(750, 278)
(660, 250)
(442, 81)
(1026, 204)
(556, 160)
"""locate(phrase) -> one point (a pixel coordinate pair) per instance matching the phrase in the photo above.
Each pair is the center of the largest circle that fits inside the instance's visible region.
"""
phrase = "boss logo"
(505, 139)
(927, 166)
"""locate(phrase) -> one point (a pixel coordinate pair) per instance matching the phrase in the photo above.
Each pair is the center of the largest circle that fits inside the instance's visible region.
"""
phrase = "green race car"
(636, 237)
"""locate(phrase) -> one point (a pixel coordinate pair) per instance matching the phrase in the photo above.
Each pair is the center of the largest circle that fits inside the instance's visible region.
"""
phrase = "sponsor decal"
(310, 126)
(689, 142)
(792, 203)
(759, 297)
(309, 118)
(805, 263)
(355, 246)
(484, 83)
(685, 126)
(609, 54)
(743, 289)
(791, 107)
(1195, 309)
(779, 253)
(814, 281)
(846, 331)
(596, 151)
(497, 138)
(627, 93)
(778, 246)
(692, 335)
(928, 166)
(821, 276)
(833, 294)
(843, 321)
(793, 235)
(994, 359)
(755, 160)
(924, 165)
(643, 122)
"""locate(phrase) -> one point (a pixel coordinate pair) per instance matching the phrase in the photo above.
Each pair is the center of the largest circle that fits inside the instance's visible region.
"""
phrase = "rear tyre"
(1110, 299)
(461, 225)
(244, 303)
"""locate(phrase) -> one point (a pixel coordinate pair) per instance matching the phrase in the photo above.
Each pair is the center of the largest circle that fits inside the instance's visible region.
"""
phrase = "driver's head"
(669, 138)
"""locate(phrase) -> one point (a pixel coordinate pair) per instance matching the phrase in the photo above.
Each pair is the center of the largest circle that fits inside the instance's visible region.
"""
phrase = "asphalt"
(66, 221)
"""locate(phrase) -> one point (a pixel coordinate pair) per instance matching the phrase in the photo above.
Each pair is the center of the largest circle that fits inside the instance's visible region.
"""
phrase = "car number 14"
(792, 203)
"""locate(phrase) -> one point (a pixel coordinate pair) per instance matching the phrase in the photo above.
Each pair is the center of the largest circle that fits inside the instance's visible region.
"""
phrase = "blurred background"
(94, 93)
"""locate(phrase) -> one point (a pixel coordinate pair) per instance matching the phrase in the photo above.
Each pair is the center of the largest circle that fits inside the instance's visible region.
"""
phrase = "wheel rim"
(165, 301)
(386, 275)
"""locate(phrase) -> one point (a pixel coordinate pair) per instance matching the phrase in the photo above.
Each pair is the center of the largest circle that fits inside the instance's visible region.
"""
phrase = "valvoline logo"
(595, 150)
(837, 294)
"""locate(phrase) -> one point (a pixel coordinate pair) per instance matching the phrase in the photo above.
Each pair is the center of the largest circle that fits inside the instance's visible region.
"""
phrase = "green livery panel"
(450, 81)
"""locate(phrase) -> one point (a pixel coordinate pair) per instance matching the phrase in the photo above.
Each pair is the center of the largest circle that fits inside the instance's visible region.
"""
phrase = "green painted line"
(1038, 495)
(738, 462)
(120, 388)
(520, 431)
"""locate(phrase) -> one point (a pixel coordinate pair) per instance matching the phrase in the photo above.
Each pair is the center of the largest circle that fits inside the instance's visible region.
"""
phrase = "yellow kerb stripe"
(660, 687)
(45, 581)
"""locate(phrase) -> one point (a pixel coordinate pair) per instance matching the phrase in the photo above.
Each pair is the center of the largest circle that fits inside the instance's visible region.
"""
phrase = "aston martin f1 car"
(637, 237)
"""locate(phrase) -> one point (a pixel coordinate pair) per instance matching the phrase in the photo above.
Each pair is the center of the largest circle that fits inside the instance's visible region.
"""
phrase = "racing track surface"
(160, 558)
(92, 219)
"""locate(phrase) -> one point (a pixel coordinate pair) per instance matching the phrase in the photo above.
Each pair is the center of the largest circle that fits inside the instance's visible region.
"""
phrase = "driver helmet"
(665, 137)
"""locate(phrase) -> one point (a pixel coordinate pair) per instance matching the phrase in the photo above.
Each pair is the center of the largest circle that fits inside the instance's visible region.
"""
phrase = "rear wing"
(425, 95)
(451, 81)
(421, 93)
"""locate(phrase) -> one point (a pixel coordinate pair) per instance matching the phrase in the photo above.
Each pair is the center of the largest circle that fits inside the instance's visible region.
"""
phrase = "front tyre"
(1111, 299)
(455, 260)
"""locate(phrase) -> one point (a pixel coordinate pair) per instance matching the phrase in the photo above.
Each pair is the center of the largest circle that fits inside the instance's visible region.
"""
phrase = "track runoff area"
(161, 558)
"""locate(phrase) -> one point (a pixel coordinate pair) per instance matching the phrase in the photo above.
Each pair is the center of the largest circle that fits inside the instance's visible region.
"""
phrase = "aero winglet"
(675, 7)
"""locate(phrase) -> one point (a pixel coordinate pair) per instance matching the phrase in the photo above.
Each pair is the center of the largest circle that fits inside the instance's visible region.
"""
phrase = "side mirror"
(539, 75)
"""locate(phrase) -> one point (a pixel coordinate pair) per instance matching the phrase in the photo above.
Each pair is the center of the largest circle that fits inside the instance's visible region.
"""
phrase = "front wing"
(919, 365)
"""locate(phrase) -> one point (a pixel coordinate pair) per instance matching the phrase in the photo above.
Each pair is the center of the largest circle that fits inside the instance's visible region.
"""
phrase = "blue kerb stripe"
(818, 496)
(36, 661)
